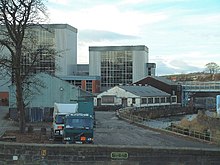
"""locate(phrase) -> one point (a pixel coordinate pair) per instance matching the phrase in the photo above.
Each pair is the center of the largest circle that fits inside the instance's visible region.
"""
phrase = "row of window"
(149, 100)
(156, 100)
(79, 84)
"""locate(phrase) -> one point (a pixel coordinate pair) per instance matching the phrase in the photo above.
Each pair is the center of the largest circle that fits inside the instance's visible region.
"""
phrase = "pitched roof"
(165, 80)
(144, 91)
(161, 79)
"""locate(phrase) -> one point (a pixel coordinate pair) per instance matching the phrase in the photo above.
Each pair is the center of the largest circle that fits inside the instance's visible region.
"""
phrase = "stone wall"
(54, 154)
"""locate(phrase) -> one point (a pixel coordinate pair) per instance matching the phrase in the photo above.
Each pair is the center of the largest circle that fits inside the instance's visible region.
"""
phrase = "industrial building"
(134, 96)
(164, 84)
(88, 83)
(63, 39)
(41, 100)
(119, 64)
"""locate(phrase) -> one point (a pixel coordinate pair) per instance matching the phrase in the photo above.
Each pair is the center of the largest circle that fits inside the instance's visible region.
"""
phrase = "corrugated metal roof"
(144, 91)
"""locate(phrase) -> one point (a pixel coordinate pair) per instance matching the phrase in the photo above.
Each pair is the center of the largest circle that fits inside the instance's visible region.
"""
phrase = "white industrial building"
(63, 37)
(134, 96)
(119, 64)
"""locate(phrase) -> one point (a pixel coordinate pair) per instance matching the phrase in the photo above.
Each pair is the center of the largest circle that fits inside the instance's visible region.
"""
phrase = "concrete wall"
(94, 63)
(14, 153)
(66, 45)
(140, 58)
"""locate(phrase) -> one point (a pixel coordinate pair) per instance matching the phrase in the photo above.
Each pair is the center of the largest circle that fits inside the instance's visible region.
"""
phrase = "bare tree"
(212, 67)
(20, 53)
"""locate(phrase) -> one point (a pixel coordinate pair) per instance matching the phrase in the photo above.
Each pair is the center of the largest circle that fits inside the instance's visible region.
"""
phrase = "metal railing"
(205, 136)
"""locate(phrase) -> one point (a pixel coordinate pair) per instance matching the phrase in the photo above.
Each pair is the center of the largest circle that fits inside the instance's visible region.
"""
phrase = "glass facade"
(116, 68)
(40, 45)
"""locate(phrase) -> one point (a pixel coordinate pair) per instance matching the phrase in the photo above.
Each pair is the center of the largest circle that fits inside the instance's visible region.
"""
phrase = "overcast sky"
(182, 35)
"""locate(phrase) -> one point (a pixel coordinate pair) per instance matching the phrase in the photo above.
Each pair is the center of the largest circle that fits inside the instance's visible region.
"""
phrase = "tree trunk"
(19, 91)
(20, 103)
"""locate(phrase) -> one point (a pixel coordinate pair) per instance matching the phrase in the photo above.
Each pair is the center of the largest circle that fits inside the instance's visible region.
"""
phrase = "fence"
(34, 114)
(205, 136)
(132, 118)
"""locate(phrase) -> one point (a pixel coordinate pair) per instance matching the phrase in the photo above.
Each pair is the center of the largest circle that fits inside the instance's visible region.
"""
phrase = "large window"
(42, 51)
(116, 68)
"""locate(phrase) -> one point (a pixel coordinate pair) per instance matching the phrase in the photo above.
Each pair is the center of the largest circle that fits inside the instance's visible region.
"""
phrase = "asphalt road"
(113, 131)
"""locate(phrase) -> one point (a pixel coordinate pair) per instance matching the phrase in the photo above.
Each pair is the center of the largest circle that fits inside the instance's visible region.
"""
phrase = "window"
(133, 100)
(59, 119)
(168, 99)
(157, 100)
(173, 99)
(116, 68)
(162, 100)
(107, 99)
(74, 122)
(144, 100)
(150, 100)
(89, 85)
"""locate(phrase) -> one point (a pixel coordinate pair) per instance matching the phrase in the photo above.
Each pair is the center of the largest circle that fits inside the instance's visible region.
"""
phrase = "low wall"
(162, 111)
(54, 154)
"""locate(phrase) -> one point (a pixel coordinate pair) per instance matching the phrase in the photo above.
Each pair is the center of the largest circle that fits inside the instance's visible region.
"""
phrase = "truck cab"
(58, 125)
(59, 113)
(78, 128)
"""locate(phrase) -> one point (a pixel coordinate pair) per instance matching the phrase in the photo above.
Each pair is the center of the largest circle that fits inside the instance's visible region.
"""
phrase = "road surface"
(113, 131)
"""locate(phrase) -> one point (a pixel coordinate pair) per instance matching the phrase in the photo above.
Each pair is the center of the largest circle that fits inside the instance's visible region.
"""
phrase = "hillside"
(194, 77)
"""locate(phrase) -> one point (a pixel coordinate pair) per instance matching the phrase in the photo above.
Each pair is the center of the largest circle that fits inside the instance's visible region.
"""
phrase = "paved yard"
(112, 131)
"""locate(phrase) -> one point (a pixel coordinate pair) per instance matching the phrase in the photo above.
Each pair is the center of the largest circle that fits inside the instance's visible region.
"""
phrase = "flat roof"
(79, 77)
(57, 26)
(119, 48)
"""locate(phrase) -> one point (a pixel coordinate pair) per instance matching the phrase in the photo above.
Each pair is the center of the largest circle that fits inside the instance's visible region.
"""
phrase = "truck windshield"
(79, 123)
(59, 119)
